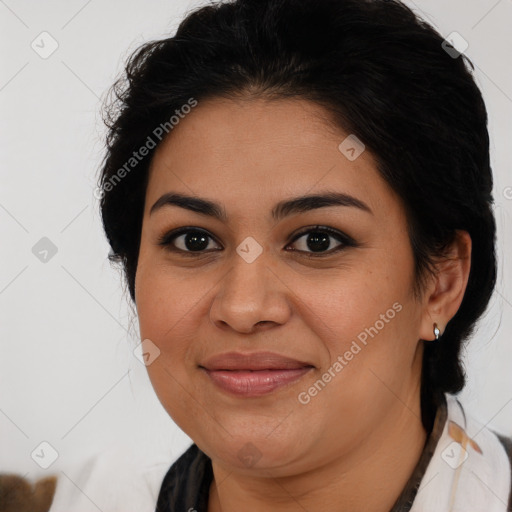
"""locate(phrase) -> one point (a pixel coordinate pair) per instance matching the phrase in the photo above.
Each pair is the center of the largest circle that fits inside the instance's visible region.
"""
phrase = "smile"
(253, 374)
(254, 383)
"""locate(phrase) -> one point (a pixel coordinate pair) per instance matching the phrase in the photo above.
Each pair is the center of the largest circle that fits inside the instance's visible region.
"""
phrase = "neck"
(370, 478)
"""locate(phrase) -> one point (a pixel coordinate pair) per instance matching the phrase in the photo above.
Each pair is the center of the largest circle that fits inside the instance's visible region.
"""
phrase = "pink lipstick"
(253, 375)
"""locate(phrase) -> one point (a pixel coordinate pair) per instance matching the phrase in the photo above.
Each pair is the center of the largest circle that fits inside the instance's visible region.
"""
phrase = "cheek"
(165, 308)
(162, 297)
(371, 345)
(347, 302)
(172, 305)
(365, 315)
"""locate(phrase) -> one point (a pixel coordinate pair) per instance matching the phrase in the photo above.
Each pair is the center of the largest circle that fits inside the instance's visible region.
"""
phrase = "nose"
(250, 298)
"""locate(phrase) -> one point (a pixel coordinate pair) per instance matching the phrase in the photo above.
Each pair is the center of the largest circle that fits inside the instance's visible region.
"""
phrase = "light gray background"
(67, 370)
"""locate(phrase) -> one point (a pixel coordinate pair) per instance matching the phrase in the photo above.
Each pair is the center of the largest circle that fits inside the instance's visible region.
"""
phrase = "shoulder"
(113, 479)
(494, 449)
(485, 458)
(470, 468)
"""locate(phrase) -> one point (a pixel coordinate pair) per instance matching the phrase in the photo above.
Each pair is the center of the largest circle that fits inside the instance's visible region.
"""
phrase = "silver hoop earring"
(437, 332)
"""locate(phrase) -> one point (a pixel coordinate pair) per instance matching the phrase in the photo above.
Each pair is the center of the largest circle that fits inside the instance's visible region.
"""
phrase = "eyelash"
(167, 239)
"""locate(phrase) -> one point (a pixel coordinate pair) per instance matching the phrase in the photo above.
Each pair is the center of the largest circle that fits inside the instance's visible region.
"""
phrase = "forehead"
(251, 150)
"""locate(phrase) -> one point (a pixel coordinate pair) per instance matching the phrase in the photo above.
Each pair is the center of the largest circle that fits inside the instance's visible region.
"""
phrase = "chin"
(251, 451)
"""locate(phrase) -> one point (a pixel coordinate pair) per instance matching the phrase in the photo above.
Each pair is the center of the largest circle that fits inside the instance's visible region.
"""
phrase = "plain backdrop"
(68, 373)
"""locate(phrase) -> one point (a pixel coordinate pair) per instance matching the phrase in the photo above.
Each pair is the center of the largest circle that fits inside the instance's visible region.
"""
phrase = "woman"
(300, 195)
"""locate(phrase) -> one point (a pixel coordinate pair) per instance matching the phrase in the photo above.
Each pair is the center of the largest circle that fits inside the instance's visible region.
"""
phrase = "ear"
(446, 288)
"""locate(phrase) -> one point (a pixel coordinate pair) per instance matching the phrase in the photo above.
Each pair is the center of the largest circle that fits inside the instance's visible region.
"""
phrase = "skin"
(354, 445)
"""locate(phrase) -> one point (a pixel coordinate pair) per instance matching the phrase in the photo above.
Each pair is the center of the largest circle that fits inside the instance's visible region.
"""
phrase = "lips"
(253, 375)
(253, 362)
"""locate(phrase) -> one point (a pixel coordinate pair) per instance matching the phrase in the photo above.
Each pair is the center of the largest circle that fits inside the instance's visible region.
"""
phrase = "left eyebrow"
(282, 209)
(313, 202)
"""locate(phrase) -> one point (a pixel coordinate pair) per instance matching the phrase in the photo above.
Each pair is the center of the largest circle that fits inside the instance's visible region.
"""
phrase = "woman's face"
(261, 277)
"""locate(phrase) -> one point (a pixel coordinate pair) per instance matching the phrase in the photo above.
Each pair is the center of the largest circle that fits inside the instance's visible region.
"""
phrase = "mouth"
(253, 375)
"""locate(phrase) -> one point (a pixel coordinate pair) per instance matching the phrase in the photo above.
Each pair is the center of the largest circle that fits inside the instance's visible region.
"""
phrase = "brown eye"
(321, 241)
(190, 240)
